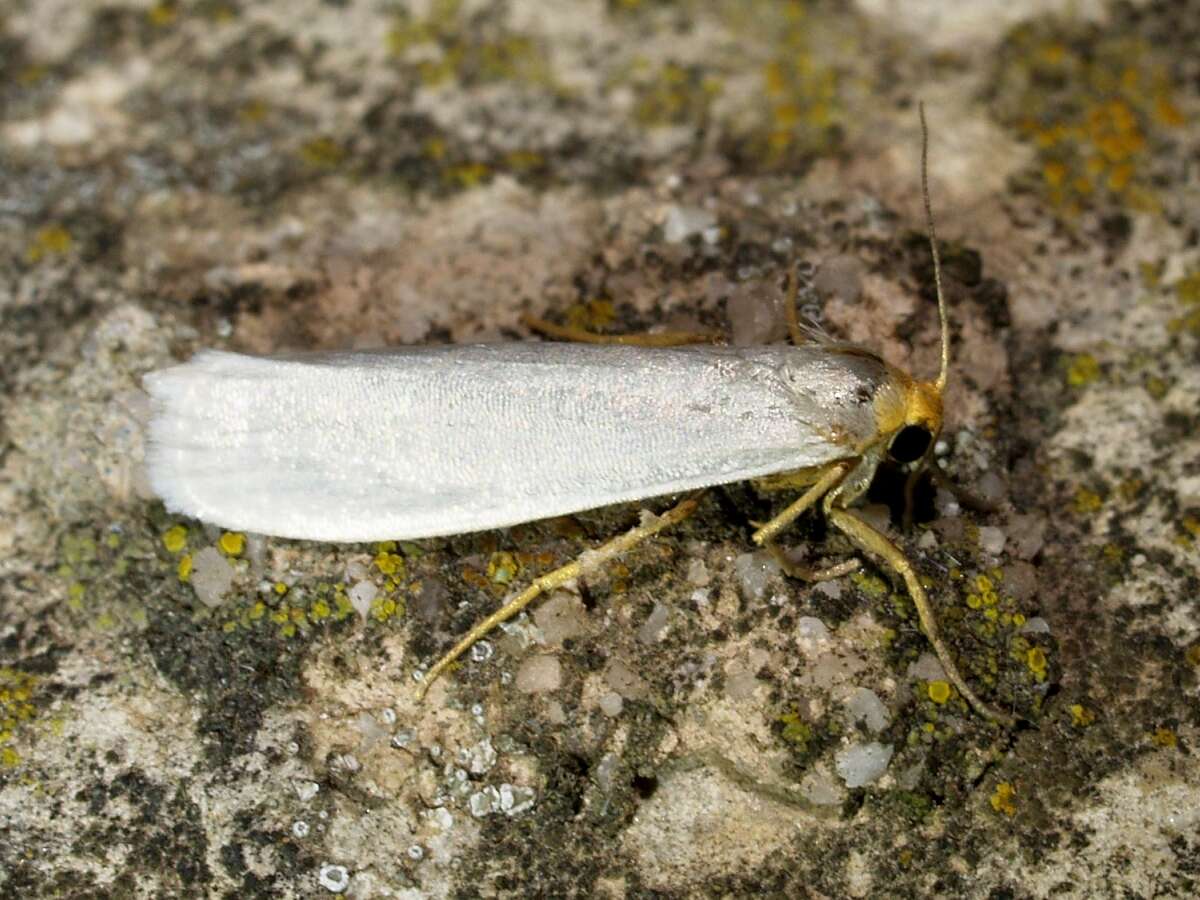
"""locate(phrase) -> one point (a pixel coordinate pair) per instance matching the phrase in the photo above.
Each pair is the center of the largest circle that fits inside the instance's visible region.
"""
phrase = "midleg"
(589, 561)
(820, 488)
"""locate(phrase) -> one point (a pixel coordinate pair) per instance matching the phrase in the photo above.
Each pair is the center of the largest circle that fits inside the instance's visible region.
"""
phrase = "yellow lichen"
(1087, 501)
(1187, 289)
(870, 585)
(1035, 659)
(322, 153)
(184, 569)
(939, 691)
(232, 543)
(1091, 109)
(1165, 738)
(1081, 716)
(75, 594)
(467, 175)
(16, 708)
(384, 608)
(795, 730)
(162, 13)
(175, 538)
(1192, 655)
(50, 240)
(1003, 799)
(675, 95)
(502, 568)
(389, 562)
(1082, 370)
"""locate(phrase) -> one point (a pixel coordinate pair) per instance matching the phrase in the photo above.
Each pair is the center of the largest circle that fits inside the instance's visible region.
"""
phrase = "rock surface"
(276, 177)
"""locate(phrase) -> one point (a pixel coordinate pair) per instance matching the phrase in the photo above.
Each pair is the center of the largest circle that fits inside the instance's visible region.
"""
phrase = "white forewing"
(419, 442)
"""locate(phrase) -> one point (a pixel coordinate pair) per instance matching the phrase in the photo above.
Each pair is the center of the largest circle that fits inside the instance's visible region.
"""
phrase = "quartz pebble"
(539, 674)
(860, 764)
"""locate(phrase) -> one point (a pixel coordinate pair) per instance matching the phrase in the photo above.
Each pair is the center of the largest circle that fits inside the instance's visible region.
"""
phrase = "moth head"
(921, 424)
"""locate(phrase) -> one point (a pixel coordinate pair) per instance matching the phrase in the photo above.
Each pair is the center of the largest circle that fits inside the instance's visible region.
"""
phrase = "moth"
(419, 442)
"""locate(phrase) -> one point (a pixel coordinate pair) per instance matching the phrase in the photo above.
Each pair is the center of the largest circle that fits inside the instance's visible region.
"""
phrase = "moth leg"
(589, 561)
(793, 318)
(872, 541)
(910, 494)
(804, 573)
(965, 497)
(820, 487)
(655, 339)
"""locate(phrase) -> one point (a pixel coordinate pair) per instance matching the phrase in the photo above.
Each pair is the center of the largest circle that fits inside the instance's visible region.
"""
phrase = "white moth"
(428, 441)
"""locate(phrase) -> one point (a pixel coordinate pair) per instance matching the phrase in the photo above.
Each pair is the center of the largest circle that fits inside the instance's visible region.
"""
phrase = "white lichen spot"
(484, 802)
(300, 829)
(334, 879)
(306, 790)
(481, 651)
(440, 818)
(681, 222)
(416, 852)
(481, 757)
(515, 800)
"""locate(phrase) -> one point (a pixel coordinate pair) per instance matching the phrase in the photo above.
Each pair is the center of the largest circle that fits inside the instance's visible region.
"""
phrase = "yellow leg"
(820, 488)
(793, 320)
(588, 562)
(964, 497)
(872, 541)
(657, 339)
(910, 493)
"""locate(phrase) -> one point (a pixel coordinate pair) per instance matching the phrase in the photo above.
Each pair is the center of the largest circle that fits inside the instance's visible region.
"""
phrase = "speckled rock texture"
(186, 712)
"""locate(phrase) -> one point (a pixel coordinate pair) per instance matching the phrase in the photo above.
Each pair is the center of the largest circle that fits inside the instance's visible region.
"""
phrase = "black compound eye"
(910, 443)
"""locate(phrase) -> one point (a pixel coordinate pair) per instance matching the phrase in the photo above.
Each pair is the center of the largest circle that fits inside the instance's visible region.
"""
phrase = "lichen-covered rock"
(188, 712)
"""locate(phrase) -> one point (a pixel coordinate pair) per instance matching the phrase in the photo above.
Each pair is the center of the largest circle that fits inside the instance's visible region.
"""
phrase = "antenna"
(940, 384)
